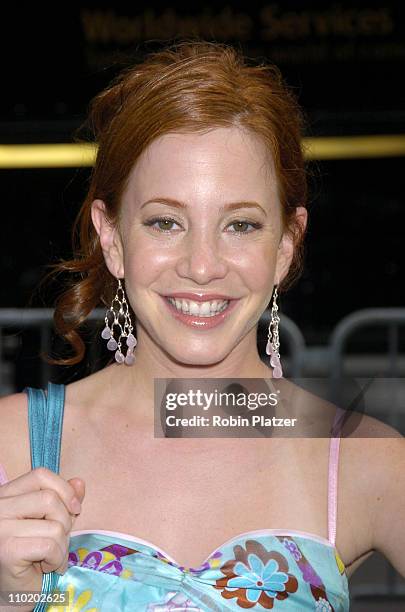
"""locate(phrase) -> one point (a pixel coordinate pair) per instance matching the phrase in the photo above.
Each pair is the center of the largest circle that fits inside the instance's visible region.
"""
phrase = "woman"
(199, 188)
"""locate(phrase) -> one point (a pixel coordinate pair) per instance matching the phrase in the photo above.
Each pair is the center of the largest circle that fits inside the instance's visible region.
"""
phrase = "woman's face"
(205, 246)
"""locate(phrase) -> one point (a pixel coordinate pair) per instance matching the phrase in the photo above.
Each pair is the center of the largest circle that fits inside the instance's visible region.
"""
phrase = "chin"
(197, 359)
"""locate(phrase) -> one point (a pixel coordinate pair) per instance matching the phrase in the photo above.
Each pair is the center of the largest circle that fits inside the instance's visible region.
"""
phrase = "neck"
(135, 384)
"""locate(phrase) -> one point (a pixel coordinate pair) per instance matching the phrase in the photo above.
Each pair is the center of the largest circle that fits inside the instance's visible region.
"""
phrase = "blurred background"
(345, 62)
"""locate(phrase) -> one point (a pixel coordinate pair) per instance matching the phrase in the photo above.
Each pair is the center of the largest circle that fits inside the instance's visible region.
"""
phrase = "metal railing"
(299, 355)
(392, 318)
(42, 320)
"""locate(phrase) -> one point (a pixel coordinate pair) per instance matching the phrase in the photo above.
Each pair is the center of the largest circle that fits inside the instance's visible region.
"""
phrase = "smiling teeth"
(200, 309)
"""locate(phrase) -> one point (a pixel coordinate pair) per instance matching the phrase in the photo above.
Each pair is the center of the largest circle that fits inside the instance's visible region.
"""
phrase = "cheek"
(256, 266)
(252, 262)
(144, 261)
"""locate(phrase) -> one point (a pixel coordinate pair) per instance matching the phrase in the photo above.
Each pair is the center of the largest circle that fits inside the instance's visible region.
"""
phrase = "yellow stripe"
(349, 147)
(47, 155)
(78, 155)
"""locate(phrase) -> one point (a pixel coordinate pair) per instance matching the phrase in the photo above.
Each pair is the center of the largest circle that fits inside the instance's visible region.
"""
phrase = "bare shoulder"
(92, 391)
(15, 454)
(89, 404)
(380, 449)
(373, 451)
(358, 425)
(373, 459)
(389, 499)
(14, 435)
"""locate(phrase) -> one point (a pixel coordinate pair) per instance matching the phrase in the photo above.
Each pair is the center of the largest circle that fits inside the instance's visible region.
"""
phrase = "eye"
(240, 223)
(164, 221)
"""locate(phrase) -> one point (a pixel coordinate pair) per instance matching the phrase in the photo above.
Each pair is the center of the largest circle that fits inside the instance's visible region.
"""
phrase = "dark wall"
(340, 57)
(345, 62)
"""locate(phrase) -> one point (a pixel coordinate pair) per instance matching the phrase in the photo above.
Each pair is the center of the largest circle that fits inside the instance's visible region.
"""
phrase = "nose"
(203, 260)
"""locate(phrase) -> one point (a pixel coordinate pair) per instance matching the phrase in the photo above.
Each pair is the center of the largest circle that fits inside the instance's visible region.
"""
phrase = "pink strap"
(3, 475)
(332, 488)
(333, 475)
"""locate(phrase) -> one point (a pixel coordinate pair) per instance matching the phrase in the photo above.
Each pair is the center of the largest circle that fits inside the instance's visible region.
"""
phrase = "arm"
(388, 510)
(15, 458)
(14, 426)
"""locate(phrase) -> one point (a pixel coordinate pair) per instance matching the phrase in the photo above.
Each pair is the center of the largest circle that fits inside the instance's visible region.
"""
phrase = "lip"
(199, 297)
(201, 323)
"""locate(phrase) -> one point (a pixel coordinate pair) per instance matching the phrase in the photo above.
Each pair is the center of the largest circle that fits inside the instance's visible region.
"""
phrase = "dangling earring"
(125, 332)
(273, 342)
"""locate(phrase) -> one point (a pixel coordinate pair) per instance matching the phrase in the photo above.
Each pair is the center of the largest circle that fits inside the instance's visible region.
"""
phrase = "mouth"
(202, 315)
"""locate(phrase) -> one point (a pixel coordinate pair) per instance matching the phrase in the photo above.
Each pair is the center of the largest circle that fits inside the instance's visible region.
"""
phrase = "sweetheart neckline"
(125, 536)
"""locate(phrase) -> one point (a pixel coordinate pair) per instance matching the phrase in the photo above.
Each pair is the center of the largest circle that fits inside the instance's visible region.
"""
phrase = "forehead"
(231, 160)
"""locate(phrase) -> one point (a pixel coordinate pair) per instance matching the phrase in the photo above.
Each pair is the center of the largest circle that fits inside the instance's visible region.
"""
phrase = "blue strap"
(36, 420)
(45, 418)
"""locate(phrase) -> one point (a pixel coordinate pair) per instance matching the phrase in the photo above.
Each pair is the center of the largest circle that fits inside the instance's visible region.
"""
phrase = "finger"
(19, 553)
(37, 480)
(34, 528)
(63, 568)
(79, 486)
(37, 505)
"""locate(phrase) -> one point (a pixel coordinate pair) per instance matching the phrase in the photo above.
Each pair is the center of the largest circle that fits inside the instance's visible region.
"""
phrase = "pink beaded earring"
(273, 342)
(125, 332)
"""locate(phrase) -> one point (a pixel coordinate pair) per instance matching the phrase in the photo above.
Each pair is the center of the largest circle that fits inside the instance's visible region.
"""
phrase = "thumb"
(79, 486)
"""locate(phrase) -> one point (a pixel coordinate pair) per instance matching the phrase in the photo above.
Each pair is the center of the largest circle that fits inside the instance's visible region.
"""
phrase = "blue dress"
(268, 569)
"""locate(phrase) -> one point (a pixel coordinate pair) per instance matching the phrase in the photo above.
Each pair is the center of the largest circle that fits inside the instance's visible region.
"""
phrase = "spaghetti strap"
(45, 418)
(3, 475)
(334, 447)
(53, 427)
(37, 407)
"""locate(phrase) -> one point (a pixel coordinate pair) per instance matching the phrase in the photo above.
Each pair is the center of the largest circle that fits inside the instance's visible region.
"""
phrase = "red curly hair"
(189, 86)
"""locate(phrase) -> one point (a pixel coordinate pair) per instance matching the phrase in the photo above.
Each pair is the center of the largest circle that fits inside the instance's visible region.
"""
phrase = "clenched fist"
(37, 513)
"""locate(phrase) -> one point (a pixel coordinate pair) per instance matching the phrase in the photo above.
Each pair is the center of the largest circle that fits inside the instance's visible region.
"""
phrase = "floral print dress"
(269, 569)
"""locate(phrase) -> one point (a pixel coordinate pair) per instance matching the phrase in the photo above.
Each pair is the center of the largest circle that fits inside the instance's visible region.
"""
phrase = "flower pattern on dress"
(211, 563)
(322, 605)
(308, 573)
(339, 563)
(251, 575)
(107, 559)
(256, 576)
(293, 548)
(75, 605)
(171, 603)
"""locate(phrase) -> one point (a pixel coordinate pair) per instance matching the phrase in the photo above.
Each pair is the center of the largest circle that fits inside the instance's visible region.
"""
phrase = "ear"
(286, 247)
(110, 239)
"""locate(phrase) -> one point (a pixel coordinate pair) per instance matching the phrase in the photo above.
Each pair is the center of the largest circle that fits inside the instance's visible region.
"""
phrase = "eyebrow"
(225, 207)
